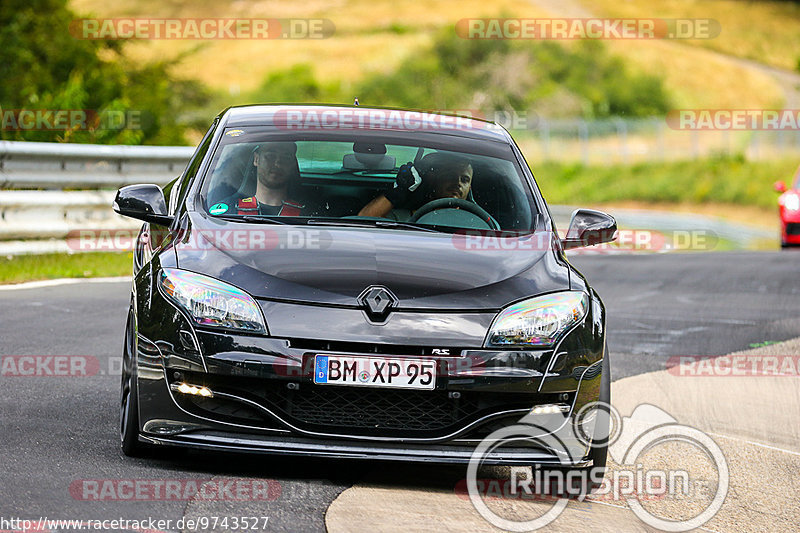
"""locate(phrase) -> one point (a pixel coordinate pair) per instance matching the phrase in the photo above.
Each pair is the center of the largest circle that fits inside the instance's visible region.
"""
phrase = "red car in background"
(789, 209)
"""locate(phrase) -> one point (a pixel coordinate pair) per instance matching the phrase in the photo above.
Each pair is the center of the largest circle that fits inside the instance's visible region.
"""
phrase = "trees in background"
(43, 67)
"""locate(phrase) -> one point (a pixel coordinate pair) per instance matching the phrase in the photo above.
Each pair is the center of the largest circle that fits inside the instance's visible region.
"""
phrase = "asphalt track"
(57, 431)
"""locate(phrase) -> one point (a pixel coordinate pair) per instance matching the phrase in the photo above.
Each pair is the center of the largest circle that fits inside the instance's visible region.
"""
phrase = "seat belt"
(249, 206)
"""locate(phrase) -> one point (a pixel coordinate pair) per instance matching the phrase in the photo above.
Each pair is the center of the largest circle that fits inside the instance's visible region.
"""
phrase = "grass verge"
(765, 31)
(710, 181)
(16, 269)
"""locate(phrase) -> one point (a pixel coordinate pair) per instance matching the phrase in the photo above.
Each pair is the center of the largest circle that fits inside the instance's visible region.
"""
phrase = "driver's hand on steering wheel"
(407, 181)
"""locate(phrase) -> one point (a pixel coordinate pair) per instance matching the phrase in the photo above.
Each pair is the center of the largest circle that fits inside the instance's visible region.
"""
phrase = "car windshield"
(348, 178)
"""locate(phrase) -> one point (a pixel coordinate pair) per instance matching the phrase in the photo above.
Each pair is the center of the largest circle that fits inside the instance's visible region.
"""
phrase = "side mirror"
(779, 186)
(588, 227)
(143, 202)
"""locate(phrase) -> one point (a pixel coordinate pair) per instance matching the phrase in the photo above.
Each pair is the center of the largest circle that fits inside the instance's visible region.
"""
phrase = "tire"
(129, 395)
(599, 454)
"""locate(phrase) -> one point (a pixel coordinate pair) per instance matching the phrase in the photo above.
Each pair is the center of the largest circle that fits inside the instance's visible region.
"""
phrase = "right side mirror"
(588, 227)
(779, 186)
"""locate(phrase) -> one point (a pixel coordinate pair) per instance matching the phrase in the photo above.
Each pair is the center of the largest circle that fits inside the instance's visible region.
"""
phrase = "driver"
(439, 176)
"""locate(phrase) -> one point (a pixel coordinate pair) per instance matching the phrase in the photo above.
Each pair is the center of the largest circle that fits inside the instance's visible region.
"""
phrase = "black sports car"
(362, 283)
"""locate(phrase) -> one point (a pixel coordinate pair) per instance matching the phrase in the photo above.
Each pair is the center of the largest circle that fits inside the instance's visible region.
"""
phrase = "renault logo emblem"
(377, 301)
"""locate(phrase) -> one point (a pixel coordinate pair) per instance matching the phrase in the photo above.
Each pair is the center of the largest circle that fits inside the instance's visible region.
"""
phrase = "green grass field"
(765, 31)
(375, 37)
(731, 181)
(16, 269)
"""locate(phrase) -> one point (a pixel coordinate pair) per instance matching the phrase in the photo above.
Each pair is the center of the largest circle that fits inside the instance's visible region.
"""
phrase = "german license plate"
(375, 372)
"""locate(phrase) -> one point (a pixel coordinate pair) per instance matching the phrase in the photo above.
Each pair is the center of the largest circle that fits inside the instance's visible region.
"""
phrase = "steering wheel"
(456, 203)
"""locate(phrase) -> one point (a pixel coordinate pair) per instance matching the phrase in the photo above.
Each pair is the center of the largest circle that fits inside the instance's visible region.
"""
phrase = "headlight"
(791, 202)
(212, 303)
(538, 321)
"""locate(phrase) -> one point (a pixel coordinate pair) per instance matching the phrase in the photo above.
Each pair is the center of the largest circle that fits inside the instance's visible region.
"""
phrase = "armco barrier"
(50, 189)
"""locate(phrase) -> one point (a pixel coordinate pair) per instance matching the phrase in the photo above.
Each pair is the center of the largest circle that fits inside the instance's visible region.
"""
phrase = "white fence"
(623, 141)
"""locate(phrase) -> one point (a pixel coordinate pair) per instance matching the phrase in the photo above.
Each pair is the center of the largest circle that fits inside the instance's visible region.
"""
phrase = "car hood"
(327, 265)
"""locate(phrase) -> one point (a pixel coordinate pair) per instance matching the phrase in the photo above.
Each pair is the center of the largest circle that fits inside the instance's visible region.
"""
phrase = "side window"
(176, 189)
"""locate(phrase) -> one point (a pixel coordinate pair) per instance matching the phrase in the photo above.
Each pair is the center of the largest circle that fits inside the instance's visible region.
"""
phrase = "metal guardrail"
(52, 189)
(31, 165)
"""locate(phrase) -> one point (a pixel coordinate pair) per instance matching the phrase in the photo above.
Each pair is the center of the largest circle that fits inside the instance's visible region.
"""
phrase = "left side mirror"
(144, 202)
(779, 186)
(588, 227)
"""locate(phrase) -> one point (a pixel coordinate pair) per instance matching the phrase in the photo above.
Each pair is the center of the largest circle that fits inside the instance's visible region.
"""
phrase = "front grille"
(793, 228)
(357, 411)
(372, 409)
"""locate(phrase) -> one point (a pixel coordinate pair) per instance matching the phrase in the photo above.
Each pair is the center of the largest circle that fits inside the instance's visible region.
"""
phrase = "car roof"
(323, 118)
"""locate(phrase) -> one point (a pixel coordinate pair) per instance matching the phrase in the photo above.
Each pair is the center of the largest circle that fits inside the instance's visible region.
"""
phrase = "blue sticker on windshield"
(218, 209)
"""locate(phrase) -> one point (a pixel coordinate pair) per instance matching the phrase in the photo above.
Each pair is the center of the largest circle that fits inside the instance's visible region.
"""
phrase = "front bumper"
(790, 226)
(252, 409)
(296, 446)
(265, 401)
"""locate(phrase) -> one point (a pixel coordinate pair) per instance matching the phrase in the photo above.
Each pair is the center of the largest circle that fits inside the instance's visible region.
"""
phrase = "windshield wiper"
(368, 223)
(404, 225)
(254, 219)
